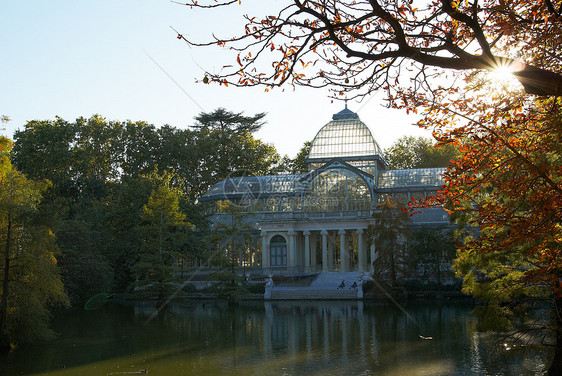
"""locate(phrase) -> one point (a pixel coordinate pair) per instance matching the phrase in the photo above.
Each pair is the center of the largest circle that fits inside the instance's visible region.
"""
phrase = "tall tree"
(43, 150)
(164, 229)
(137, 148)
(31, 284)
(295, 165)
(420, 152)
(226, 148)
(506, 189)
(84, 263)
(122, 223)
(224, 120)
(434, 247)
(232, 237)
(390, 234)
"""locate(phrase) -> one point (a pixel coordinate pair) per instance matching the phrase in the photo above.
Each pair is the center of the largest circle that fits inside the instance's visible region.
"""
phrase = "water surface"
(273, 338)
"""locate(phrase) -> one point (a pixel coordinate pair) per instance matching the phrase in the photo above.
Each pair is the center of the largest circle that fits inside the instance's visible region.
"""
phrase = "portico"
(323, 247)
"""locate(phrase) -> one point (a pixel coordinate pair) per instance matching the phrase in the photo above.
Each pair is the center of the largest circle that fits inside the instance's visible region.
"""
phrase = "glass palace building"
(317, 221)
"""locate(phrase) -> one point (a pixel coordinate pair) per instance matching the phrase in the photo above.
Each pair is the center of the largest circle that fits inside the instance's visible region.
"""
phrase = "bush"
(256, 288)
(227, 285)
(189, 287)
(368, 286)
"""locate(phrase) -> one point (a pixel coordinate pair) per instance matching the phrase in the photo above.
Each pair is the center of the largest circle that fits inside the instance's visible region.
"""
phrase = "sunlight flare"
(503, 74)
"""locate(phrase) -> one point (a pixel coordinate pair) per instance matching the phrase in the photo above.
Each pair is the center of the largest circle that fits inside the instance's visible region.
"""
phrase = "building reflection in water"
(336, 337)
(354, 337)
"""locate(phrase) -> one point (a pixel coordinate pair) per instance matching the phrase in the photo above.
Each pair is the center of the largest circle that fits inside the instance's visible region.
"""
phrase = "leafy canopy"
(420, 152)
(30, 284)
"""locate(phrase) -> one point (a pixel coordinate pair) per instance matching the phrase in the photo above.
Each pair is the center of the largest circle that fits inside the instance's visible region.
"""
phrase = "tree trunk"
(5, 285)
(555, 368)
(438, 272)
(392, 267)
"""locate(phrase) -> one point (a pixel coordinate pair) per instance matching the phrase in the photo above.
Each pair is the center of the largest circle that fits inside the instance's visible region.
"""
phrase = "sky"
(121, 59)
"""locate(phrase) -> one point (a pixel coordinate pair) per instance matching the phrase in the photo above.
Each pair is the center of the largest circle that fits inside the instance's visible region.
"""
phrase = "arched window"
(338, 190)
(278, 251)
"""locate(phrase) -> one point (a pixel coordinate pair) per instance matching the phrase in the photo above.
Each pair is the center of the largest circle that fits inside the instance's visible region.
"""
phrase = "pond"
(273, 338)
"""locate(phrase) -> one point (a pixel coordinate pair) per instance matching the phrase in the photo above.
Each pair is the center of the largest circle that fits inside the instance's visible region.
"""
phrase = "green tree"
(390, 234)
(122, 223)
(434, 249)
(94, 149)
(232, 237)
(164, 232)
(137, 148)
(86, 270)
(298, 164)
(31, 285)
(295, 165)
(227, 121)
(225, 148)
(419, 152)
(43, 150)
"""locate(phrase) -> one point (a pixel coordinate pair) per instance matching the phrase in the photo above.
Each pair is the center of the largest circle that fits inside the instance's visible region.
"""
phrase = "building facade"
(318, 221)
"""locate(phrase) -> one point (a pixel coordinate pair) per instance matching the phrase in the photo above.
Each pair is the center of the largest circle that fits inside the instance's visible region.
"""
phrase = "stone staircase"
(326, 286)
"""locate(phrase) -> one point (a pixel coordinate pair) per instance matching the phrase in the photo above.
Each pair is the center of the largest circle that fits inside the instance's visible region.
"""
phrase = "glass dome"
(346, 136)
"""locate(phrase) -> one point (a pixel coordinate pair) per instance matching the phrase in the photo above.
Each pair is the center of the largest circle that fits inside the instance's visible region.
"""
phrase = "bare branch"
(344, 37)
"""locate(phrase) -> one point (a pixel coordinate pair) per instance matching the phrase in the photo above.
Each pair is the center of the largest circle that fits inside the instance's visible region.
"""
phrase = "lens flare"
(502, 75)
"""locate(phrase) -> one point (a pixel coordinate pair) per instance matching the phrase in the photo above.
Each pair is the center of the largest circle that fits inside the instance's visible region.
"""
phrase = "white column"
(265, 262)
(313, 261)
(331, 246)
(343, 251)
(347, 244)
(306, 250)
(324, 234)
(360, 250)
(373, 258)
(292, 251)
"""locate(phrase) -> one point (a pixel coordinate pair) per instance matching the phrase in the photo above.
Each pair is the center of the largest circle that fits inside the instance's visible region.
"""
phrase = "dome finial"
(345, 114)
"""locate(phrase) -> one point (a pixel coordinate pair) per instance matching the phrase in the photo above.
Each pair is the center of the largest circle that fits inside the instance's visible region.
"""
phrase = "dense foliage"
(506, 192)
(123, 194)
(420, 152)
(30, 285)
(389, 234)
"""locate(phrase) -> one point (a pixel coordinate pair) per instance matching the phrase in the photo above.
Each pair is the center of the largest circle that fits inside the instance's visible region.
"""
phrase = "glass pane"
(344, 138)
(415, 177)
(338, 190)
